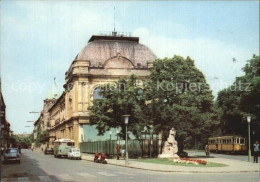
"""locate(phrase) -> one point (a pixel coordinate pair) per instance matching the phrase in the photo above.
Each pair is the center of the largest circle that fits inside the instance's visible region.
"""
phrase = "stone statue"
(170, 148)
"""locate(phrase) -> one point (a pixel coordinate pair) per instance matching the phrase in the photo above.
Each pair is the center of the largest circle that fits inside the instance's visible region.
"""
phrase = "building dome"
(102, 48)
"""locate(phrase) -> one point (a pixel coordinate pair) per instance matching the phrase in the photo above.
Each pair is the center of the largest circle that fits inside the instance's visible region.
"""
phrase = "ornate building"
(103, 60)
(4, 124)
(43, 122)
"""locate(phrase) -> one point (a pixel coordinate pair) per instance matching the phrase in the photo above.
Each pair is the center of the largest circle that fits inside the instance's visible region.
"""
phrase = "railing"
(136, 148)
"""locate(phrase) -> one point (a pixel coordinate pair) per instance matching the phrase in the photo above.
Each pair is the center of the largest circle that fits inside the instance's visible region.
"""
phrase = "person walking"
(256, 151)
(118, 151)
(207, 150)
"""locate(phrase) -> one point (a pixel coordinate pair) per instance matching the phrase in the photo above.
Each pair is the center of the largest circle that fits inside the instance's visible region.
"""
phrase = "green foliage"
(123, 97)
(242, 99)
(44, 136)
(174, 95)
(181, 98)
(24, 142)
(38, 136)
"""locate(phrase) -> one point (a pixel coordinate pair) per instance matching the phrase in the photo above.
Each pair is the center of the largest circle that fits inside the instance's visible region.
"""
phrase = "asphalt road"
(35, 166)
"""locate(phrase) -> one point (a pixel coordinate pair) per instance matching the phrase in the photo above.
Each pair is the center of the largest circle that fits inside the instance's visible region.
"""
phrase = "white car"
(74, 153)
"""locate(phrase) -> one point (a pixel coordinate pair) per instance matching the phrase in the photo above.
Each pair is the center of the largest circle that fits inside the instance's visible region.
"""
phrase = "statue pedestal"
(170, 148)
(165, 156)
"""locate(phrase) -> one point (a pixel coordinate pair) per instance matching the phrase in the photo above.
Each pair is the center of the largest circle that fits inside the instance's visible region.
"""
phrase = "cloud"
(213, 57)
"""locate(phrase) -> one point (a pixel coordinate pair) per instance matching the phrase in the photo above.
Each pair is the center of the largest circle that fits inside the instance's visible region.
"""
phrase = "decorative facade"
(103, 60)
(43, 122)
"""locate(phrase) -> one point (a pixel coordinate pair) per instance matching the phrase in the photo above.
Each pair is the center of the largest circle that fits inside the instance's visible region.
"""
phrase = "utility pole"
(1, 114)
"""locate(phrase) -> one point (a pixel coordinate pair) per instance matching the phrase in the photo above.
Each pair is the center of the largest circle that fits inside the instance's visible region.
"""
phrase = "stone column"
(80, 101)
(67, 131)
(81, 133)
(75, 133)
(86, 95)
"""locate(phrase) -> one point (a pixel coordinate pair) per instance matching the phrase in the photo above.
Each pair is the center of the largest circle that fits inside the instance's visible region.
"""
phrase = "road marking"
(45, 178)
(23, 179)
(65, 177)
(86, 175)
(106, 174)
(127, 174)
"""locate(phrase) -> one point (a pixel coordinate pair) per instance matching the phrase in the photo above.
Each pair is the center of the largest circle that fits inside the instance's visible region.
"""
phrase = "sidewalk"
(234, 166)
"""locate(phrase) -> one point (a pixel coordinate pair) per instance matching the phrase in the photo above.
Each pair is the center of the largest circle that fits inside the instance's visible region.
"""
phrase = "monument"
(170, 148)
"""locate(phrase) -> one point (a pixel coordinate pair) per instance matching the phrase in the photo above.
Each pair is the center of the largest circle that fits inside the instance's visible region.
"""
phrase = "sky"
(40, 39)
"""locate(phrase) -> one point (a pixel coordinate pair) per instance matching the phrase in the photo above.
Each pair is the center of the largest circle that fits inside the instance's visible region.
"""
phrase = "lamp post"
(151, 142)
(126, 118)
(110, 132)
(117, 132)
(249, 142)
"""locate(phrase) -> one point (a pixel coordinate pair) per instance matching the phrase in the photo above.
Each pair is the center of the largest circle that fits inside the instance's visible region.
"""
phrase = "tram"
(229, 143)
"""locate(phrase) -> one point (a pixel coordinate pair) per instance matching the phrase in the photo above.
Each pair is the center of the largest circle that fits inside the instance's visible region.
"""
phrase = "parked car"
(48, 150)
(12, 154)
(74, 153)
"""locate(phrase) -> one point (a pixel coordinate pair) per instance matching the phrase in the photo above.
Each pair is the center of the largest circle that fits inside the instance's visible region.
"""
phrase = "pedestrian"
(2, 150)
(207, 150)
(123, 153)
(19, 148)
(118, 151)
(256, 151)
(32, 148)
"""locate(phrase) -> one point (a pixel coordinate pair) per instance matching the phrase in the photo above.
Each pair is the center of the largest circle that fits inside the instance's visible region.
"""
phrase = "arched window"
(96, 94)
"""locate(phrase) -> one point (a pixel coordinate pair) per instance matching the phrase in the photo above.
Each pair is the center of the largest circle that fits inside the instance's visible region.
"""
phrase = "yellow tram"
(229, 143)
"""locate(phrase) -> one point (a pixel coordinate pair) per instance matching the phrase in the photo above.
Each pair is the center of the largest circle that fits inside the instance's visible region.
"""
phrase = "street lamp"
(110, 132)
(126, 118)
(151, 142)
(117, 132)
(249, 143)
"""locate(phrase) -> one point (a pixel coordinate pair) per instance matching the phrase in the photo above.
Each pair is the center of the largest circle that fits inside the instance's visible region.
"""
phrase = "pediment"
(118, 62)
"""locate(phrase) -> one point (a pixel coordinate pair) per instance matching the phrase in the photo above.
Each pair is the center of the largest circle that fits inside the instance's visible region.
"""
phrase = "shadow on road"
(28, 167)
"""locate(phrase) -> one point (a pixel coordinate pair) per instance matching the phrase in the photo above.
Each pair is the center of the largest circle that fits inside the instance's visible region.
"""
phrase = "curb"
(187, 172)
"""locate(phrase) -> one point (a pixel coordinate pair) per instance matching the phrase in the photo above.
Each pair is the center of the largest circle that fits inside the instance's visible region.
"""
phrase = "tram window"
(242, 141)
(237, 140)
(233, 140)
(229, 141)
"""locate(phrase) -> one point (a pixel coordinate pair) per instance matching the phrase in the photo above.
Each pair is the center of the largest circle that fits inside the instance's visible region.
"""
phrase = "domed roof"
(101, 48)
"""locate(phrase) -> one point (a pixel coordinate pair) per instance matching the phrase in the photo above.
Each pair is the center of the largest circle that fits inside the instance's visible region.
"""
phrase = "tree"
(242, 99)
(23, 141)
(174, 95)
(122, 97)
(44, 136)
(179, 97)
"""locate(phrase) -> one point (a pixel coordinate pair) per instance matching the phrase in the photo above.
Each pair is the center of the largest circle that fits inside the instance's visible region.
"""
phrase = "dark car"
(48, 151)
(11, 154)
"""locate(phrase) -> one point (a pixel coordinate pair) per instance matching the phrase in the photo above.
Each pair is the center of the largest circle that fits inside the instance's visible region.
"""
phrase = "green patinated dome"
(54, 92)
